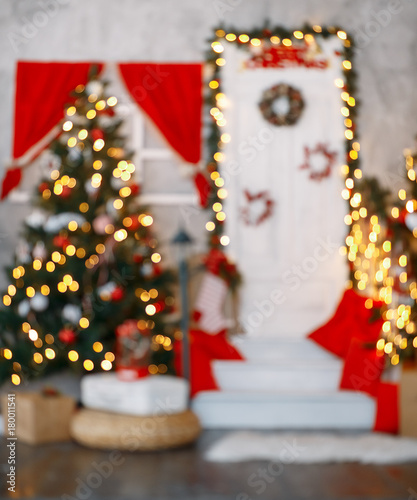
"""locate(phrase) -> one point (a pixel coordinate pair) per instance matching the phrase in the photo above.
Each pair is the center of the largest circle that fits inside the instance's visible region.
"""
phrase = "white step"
(266, 410)
(273, 349)
(282, 376)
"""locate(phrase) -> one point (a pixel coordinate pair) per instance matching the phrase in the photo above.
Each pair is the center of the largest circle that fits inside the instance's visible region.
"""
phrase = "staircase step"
(274, 348)
(274, 410)
(285, 376)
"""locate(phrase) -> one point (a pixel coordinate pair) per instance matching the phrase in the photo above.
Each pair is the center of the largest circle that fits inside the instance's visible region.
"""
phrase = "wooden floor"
(56, 471)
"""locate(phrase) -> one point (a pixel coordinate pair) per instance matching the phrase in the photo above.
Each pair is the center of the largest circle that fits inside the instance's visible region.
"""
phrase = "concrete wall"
(164, 30)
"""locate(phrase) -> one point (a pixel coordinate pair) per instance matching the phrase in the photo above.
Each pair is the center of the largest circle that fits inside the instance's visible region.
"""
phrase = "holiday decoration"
(76, 282)
(328, 163)
(142, 397)
(352, 334)
(205, 348)
(278, 78)
(291, 101)
(398, 285)
(264, 204)
(289, 56)
(209, 304)
(133, 350)
(42, 417)
(67, 336)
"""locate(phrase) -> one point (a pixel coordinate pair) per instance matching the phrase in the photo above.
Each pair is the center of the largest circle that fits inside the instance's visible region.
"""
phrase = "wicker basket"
(104, 430)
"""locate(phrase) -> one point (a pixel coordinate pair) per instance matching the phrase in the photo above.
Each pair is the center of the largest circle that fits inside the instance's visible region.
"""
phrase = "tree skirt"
(308, 448)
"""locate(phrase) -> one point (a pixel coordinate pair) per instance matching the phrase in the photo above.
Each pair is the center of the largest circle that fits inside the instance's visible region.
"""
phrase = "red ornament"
(159, 306)
(43, 186)
(403, 214)
(127, 328)
(157, 269)
(108, 111)
(96, 133)
(61, 241)
(137, 258)
(117, 294)
(135, 189)
(66, 192)
(67, 336)
(135, 224)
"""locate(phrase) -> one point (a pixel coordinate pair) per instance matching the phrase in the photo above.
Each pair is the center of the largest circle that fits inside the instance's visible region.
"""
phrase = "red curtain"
(352, 335)
(171, 95)
(42, 91)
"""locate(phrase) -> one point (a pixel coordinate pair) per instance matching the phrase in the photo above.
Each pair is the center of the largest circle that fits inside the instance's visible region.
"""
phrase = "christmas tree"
(87, 267)
(400, 314)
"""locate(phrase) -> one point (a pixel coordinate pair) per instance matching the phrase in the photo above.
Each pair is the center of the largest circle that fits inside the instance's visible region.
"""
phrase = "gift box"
(408, 401)
(153, 395)
(41, 418)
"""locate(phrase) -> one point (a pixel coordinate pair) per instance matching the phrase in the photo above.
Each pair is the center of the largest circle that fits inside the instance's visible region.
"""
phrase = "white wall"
(167, 30)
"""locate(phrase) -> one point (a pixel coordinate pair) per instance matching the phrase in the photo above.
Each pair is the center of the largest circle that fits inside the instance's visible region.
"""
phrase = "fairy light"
(88, 365)
(67, 126)
(150, 310)
(50, 353)
(97, 347)
(33, 335)
(110, 356)
(100, 105)
(217, 47)
(91, 113)
(73, 356)
(84, 323)
(82, 134)
(98, 145)
(71, 111)
(156, 257)
(106, 365)
(120, 235)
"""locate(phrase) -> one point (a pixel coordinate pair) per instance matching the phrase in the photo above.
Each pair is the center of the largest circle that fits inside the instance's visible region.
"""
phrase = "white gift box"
(152, 395)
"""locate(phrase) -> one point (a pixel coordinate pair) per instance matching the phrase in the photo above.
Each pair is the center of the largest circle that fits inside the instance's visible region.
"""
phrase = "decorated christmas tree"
(400, 314)
(87, 269)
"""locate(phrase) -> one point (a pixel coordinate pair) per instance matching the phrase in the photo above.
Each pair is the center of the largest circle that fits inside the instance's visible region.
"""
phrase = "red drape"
(205, 348)
(351, 335)
(42, 91)
(171, 95)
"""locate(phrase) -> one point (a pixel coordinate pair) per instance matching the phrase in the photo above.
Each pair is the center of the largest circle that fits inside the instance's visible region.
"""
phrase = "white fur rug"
(308, 448)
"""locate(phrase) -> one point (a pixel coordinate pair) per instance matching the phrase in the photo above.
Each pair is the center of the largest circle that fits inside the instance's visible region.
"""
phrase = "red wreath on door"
(330, 160)
(265, 214)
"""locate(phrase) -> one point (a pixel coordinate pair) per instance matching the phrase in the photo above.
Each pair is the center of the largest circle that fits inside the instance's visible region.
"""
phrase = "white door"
(284, 207)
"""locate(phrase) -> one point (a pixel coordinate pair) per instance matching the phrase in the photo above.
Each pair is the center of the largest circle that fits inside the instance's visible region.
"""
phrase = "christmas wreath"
(280, 91)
